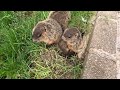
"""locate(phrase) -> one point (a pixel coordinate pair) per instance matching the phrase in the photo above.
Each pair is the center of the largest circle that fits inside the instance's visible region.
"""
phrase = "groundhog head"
(41, 33)
(72, 36)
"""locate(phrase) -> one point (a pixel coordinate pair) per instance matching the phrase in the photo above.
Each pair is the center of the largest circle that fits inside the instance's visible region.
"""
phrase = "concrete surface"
(103, 58)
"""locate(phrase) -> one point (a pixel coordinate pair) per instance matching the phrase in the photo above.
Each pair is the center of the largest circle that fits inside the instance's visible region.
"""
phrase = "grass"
(20, 58)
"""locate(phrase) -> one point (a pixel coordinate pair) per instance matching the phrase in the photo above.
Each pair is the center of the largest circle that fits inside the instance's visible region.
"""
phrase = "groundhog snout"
(35, 40)
(63, 38)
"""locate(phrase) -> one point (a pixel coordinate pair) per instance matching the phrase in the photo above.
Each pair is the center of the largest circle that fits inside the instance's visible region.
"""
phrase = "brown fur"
(51, 29)
(64, 48)
(48, 31)
(73, 38)
(62, 17)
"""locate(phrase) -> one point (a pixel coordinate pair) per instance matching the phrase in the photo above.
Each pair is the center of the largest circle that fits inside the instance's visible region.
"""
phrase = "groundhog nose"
(33, 40)
(63, 37)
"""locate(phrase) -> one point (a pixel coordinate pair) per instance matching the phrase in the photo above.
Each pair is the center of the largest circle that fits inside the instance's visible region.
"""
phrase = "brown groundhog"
(48, 31)
(73, 37)
(51, 29)
(62, 17)
(73, 41)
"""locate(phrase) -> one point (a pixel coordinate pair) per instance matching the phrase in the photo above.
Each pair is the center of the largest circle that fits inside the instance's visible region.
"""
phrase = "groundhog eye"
(38, 35)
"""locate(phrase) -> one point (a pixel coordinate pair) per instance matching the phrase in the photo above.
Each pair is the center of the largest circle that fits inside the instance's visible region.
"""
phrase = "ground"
(20, 58)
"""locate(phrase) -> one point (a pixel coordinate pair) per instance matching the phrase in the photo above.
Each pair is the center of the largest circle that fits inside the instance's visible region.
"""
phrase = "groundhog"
(48, 31)
(62, 17)
(73, 37)
(51, 29)
(75, 41)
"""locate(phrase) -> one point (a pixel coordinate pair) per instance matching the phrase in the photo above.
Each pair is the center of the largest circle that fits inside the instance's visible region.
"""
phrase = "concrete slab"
(104, 35)
(102, 60)
(99, 67)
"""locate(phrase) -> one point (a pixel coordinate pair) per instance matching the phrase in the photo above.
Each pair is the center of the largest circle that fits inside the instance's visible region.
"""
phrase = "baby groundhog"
(74, 42)
(51, 29)
(48, 31)
(62, 17)
(73, 37)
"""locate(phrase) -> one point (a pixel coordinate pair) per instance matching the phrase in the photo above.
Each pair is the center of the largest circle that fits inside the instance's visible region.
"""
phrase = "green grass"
(20, 58)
